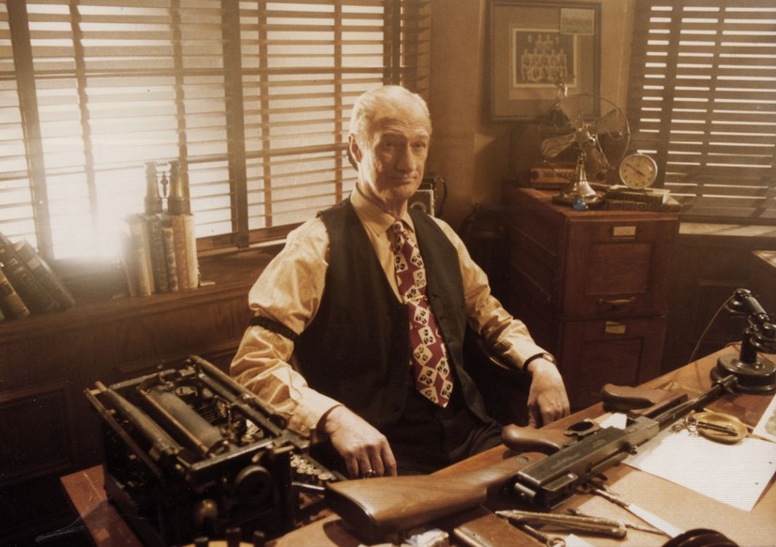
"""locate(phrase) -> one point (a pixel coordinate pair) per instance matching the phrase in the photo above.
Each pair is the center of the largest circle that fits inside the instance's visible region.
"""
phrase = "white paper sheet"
(732, 474)
(766, 427)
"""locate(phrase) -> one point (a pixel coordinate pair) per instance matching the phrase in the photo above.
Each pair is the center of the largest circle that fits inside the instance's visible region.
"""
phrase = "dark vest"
(356, 350)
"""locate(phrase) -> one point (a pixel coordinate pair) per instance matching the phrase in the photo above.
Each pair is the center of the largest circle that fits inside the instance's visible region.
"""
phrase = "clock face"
(638, 171)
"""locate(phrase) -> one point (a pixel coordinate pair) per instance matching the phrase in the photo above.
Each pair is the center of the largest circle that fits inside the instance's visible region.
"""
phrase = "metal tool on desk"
(621, 523)
(574, 523)
(548, 540)
(650, 518)
(546, 466)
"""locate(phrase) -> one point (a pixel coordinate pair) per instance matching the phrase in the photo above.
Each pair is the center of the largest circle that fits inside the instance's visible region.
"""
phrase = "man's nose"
(406, 161)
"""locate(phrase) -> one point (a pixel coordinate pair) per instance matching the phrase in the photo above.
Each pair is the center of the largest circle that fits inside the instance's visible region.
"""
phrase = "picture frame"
(536, 45)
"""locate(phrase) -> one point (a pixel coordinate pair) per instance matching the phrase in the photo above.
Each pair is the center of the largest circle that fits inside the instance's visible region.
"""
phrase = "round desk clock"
(638, 171)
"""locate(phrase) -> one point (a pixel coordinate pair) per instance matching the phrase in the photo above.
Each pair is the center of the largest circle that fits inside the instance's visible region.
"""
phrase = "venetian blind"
(15, 204)
(702, 101)
(251, 97)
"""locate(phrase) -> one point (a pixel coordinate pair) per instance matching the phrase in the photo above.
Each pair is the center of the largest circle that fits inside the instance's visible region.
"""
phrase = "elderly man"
(370, 301)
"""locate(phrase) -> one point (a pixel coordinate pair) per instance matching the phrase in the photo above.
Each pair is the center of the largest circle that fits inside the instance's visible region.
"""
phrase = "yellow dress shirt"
(289, 291)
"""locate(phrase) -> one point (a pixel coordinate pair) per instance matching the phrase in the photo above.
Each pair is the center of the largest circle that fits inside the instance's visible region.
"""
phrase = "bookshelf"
(49, 359)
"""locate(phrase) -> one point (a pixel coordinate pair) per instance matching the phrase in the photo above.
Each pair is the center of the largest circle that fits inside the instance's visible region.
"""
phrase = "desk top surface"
(682, 507)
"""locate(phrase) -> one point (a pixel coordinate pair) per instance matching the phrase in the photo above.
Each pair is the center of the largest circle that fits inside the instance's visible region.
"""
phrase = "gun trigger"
(597, 481)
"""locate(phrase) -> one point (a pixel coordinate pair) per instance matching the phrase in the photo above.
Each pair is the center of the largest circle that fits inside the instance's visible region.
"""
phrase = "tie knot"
(399, 234)
(399, 228)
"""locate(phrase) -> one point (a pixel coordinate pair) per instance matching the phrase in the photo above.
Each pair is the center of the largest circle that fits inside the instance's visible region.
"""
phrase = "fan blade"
(577, 109)
(554, 146)
(611, 123)
(596, 162)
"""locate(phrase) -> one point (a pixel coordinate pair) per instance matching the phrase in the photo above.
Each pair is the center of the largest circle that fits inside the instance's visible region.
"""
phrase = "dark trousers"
(428, 438)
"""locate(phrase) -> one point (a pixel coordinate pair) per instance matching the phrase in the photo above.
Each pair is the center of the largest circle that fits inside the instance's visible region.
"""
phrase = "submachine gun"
(544, 468)
(190, 453)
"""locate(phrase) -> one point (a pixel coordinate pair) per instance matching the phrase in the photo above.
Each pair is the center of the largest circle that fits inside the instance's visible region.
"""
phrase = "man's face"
(392, 160)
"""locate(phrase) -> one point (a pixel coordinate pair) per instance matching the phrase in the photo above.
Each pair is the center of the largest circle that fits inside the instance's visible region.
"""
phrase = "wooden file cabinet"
(591, 286)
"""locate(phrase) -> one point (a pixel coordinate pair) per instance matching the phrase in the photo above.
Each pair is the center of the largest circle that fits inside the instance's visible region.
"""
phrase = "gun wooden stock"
(529, 439)
(639, 401)
(377, 508)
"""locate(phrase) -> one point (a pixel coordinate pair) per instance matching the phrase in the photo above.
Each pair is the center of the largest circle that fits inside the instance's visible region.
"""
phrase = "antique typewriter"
(189, 453)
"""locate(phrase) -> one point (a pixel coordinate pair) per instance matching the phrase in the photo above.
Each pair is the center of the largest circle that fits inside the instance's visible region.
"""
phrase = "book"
(192, 263)
(40, 269)
(669, 206)
(179, 249)
(547, 178)
(647, 195)
(138, 255)
(10, 301)
(156, 247)
(35, 295)
(128, 262)
(169, 255)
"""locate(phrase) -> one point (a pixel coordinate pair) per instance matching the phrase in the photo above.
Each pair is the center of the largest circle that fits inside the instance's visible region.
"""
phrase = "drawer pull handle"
(618, 303)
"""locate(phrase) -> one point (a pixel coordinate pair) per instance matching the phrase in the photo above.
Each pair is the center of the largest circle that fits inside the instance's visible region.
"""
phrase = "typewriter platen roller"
(191, 453)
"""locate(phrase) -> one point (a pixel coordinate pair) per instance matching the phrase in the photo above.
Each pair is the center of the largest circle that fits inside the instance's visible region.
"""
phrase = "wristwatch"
(546, 356)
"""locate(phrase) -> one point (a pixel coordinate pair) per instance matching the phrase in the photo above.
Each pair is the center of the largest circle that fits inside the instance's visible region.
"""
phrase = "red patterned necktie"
(433, 378)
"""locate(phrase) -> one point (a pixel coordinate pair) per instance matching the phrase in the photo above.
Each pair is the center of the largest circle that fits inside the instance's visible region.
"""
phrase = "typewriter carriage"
(189, 452)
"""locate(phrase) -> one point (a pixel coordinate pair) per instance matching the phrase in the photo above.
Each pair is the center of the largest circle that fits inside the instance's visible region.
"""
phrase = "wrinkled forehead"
(406, 129)
(407, 120)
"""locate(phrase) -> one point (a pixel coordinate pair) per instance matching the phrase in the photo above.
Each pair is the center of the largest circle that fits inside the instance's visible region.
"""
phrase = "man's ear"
(354, 151)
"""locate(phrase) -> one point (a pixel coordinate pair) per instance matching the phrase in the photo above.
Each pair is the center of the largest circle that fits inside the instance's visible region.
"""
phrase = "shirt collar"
(373, 216)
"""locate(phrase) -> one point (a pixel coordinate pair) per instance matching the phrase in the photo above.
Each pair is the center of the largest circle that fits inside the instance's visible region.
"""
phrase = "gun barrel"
(548, 482)
(720, 386)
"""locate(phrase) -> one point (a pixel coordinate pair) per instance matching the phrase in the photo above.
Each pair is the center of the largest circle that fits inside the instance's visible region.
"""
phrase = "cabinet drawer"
(596, 352)
(617, 268)
(36, 433)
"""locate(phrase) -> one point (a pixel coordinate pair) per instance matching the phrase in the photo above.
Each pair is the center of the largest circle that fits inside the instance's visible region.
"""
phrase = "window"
(702, 101)
(251, 97)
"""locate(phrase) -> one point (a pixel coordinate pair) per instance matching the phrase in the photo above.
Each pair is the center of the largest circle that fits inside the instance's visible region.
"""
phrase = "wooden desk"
(676, 504)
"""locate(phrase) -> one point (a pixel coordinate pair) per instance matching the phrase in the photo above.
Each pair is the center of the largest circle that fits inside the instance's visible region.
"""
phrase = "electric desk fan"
(583, 137)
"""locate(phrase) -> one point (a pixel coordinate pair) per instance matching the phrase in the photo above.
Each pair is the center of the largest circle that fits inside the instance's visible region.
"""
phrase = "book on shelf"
(11, 304)
(185, 245)
(670, 205)
(168, 239)
(137, 257)
(154, 223)
(40, 269)
(192, 263)
(161, 253)
(128, 262)
(180, 250)
(34, 293)
(647, 195)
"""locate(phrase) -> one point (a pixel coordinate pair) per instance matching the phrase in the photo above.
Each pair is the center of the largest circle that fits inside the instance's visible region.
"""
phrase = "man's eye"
(419, 146)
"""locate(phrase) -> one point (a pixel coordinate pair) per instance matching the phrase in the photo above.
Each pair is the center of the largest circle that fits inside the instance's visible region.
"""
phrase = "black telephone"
(430, 196)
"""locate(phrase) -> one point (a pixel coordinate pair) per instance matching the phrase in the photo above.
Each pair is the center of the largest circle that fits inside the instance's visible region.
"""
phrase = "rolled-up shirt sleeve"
(505, 334)
(287, 292)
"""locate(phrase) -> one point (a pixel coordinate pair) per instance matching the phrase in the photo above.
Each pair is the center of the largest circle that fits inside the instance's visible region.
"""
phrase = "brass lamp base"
(579, 194)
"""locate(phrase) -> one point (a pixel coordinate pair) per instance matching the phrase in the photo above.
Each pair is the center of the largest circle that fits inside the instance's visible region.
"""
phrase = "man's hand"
(547, 399)
(365, 450)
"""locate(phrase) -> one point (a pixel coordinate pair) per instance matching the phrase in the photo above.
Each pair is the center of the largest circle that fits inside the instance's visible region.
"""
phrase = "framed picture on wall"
(538, 47)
